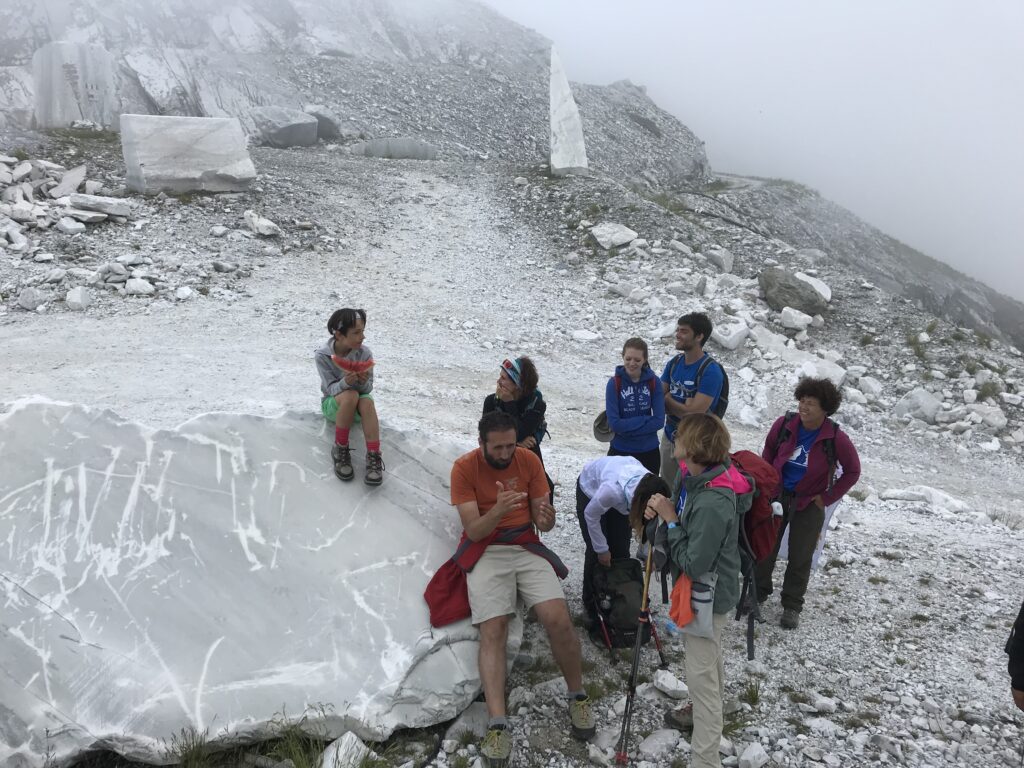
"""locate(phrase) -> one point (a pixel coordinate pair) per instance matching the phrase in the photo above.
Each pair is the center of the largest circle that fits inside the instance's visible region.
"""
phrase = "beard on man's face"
(497, 463)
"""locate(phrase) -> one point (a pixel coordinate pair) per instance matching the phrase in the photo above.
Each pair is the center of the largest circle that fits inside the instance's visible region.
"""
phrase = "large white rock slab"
(805, 364)
(920, 404)
(794, 319)
(818, 285)
(73, 81)
(568, 149)
(730, 335)
(185, 154)
(215, 576)
(612, 235)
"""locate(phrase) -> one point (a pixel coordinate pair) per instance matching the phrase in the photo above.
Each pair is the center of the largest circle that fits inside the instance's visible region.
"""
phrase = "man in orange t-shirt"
(499, 486)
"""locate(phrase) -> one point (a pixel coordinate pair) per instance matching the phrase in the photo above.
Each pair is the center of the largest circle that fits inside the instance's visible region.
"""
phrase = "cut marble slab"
(185, 154)
(214, 577)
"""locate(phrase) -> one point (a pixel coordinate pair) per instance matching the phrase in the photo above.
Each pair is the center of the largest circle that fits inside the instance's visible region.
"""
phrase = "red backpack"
(760, 526)
(758, 533)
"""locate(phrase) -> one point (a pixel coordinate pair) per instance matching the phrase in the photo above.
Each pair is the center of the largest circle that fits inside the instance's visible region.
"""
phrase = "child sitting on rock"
(345, 366)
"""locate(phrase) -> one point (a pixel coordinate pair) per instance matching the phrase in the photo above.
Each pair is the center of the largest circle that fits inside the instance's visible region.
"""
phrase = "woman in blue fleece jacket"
(635, 404)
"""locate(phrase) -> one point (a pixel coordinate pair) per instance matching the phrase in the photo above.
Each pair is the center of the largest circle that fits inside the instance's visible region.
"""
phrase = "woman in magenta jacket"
(818, 465)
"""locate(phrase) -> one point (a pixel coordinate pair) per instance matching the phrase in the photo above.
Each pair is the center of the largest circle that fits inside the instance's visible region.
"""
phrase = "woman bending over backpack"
(611, 494)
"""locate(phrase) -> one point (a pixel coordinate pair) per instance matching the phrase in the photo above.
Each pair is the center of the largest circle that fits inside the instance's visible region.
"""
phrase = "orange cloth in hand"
(680, 610)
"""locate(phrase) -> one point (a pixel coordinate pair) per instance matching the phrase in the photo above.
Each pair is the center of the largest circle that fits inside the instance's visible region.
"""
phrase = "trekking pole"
(607, 637)
(621, 756)
(657, 641)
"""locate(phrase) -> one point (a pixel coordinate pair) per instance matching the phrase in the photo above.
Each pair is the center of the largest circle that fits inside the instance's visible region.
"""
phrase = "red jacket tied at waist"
(447, 595)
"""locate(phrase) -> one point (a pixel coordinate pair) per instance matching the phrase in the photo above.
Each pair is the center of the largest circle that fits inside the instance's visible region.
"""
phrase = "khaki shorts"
(505, 572)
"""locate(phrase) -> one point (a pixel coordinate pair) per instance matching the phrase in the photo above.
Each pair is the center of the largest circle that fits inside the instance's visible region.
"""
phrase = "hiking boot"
(582, 718)
(790, 618)
(682, 719)
(374, 468)
(496, 748)
(342, 457)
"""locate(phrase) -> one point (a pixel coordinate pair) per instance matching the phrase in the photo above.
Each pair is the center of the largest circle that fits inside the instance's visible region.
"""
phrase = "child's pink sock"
(341, 435)
(373, 447)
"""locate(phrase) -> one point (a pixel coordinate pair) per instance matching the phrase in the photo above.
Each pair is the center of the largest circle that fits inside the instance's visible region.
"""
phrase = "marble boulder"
(213, 577)
(282, 127)
(185, 154)
(784, 289)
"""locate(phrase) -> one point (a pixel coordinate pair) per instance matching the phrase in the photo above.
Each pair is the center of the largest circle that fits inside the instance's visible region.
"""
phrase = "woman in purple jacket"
(818, 465)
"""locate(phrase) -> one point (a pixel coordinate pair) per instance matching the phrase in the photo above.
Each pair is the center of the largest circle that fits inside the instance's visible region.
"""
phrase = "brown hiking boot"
(341, 455)
(374, 468)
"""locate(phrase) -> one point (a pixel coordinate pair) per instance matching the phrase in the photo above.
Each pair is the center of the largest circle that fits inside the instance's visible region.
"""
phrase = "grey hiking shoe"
(496, 748)
(582, 718)
(682, 719)
(374, 468)
(790, 619)
(342, 457)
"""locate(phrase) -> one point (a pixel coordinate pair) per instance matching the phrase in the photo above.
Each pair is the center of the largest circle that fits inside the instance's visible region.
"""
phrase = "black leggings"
(615, 527)
(650, 459)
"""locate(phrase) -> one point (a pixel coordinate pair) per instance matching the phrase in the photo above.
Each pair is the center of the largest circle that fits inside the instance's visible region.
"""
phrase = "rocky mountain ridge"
(460, 76)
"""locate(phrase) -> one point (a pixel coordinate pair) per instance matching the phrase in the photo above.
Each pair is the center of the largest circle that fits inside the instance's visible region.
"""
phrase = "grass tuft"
(189, 748)
(751, 694)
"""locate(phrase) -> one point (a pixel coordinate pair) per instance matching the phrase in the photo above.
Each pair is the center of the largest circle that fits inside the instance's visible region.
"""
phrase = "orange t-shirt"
(473, 479)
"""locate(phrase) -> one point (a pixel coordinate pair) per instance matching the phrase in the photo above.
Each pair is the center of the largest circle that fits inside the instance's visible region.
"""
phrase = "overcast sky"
(908, 112)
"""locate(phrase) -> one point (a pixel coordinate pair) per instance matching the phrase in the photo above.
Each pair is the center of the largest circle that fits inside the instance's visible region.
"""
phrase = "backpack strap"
(618, 384)
(673, 364)
(829, 446)
(708, 360)
(785, 433)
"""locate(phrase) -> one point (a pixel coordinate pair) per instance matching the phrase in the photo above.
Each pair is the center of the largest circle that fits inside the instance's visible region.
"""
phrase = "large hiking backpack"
(758, 532)
(760, 529)
(618, 590)
(723, 397)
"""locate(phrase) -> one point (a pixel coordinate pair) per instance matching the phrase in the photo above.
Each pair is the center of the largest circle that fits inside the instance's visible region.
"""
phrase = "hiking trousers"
(804, 528)
(705, 676)
(615, 527)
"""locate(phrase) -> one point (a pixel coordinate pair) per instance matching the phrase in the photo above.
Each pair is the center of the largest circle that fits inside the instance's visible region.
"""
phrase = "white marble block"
(185, 154)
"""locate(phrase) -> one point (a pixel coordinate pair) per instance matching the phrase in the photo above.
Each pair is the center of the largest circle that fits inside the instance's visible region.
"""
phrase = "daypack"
(760, 528)
(723, 398)
(828, 444)
(618, 590)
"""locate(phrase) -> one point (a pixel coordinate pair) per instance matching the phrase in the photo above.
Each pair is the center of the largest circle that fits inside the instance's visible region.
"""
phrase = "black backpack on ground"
(723, 397)
(618, 590)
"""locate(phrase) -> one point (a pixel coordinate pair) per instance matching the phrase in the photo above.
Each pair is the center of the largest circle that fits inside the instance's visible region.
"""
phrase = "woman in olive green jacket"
(703, 523)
